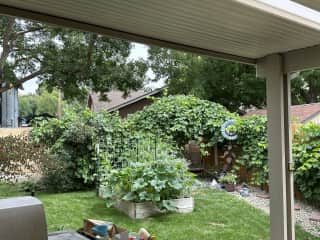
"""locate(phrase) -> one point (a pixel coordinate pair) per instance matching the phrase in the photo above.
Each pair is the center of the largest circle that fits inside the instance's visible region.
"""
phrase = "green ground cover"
(217, 215)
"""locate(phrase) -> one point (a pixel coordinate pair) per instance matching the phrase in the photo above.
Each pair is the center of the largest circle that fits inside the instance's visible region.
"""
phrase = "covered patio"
(279, 38)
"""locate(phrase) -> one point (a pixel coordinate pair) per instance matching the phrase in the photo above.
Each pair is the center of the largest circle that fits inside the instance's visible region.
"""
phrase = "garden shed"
(279, 37)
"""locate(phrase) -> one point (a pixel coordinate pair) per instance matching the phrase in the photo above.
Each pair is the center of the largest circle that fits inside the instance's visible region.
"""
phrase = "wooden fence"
(4, 132)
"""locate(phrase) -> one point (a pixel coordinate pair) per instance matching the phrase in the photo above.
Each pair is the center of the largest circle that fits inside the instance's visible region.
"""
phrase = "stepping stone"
(315, 217)
(265, 196)
(297, 207)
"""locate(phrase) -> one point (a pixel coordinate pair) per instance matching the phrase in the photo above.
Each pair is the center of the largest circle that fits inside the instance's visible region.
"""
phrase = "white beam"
(302, 59)
(314, 4)
(116, 33)
(289, 165)
(279, 152)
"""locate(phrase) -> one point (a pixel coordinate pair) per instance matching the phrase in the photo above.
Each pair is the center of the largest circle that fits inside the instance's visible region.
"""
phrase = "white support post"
(279, 147)
(288, 151)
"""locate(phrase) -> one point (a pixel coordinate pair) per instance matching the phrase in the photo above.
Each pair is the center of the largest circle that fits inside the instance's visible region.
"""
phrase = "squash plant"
(148, 180)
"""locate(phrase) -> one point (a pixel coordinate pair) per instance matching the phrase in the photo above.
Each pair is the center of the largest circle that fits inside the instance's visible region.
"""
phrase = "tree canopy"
(36, 104)
(70, 60)
(306, 87)
(233, 85)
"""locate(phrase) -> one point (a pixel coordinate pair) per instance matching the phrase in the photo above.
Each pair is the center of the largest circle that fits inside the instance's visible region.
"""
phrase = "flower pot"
(229, 187)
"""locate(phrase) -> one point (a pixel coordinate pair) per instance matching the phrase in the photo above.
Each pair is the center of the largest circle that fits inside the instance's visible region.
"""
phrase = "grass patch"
(217, 215)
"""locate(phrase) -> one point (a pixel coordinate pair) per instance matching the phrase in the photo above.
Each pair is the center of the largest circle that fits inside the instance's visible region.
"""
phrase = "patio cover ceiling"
(314, 4)
(241, 30)
(279, 36)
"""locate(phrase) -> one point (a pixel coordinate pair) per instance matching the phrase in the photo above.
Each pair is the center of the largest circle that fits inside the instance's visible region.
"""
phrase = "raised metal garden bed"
(147, 209)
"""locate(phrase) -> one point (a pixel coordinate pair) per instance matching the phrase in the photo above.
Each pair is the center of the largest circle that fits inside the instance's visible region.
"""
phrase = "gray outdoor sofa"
(24, 218)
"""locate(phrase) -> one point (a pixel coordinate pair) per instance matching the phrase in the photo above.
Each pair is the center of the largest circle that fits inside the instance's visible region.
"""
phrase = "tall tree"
(306, 87)
(36, 104)
(73, 61)
(233, 85)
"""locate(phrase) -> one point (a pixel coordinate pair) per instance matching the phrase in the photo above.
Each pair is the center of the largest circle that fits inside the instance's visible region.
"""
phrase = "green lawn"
(217, 215)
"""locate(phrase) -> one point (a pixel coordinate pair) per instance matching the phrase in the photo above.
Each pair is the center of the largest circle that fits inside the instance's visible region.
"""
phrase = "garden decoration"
(228, 130)
(244, 192)
(229, 157)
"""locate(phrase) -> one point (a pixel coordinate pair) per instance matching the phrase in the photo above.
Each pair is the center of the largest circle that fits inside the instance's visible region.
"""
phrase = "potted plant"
(228, 181)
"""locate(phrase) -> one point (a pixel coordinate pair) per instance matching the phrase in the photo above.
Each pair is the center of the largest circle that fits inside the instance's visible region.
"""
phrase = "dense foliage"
(19, 157)
(174, 120)
(305, 87)
(71, 60)
(232, 85)
(184, 118)
(149, 179)
(252, 132)
(71, 141)
(36, 104)
(306, 153)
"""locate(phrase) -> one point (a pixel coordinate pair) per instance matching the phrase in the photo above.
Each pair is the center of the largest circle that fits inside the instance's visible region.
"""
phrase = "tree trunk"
(9, 108)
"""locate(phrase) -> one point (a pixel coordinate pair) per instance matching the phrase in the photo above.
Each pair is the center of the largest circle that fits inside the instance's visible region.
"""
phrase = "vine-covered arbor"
(280, 37)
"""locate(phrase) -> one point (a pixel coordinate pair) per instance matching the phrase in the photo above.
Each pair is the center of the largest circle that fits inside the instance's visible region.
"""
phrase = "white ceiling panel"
(247, 29)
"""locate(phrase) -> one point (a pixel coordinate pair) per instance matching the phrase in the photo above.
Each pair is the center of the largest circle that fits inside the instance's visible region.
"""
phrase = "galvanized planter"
(147, 209)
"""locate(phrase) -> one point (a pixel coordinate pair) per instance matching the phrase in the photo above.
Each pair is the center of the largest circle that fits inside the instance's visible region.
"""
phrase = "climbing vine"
(306, 154)
(252, 134)
(184, 118)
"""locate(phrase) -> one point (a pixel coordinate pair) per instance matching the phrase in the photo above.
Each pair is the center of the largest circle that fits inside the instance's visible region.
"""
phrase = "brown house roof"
(299, 113)
(117, 100)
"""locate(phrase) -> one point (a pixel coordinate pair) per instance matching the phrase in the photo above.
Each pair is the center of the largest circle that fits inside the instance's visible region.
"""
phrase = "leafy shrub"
(71, 142)
(252, 137)
(149, 181)
(306, 154)
(30, 187)
(229, 178)
(20, 157)
(183, 118)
